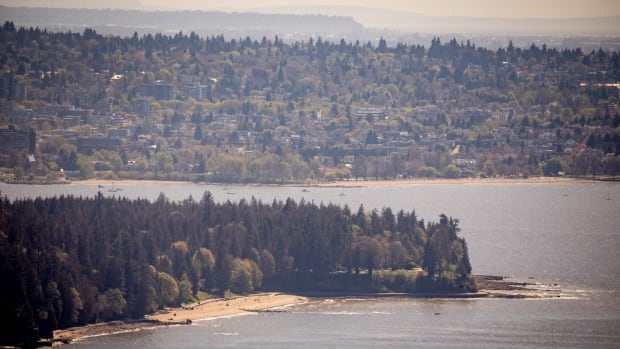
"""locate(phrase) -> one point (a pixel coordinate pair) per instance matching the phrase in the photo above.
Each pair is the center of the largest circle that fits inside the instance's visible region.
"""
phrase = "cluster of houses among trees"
(246, 110)
(196, 108)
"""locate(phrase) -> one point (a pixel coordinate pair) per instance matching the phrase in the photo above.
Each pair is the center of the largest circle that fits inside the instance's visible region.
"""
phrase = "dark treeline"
(69, 261)
(280, 65)
(97, 46)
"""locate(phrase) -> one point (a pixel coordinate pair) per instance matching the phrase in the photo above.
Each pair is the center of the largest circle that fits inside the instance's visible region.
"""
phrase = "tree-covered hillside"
(262, 110)
(69, 261)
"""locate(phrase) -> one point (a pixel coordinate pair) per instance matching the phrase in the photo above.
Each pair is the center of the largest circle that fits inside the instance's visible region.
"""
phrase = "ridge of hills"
(125, 22)
(336, 19)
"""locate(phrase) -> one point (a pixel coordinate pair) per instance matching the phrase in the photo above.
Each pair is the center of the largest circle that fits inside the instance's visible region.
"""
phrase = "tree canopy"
(69, 261)
(414, 106)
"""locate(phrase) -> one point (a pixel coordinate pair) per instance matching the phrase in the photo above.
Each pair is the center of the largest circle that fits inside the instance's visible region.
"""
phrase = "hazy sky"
(469, 8)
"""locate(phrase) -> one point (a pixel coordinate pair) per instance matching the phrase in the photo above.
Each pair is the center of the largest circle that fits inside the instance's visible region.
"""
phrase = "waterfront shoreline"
(221, 307)
(368, 183)
(458, 181)
(185, 315)
(490, 287)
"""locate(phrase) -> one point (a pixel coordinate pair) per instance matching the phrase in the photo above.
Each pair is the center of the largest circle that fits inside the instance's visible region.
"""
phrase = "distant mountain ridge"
(124, 22)
(331, 23)
(110, 4)
(369, 18)
(378, 18)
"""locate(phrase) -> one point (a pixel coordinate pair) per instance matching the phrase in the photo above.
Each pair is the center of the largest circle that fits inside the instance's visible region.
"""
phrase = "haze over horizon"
(499, 20)
(438, 8)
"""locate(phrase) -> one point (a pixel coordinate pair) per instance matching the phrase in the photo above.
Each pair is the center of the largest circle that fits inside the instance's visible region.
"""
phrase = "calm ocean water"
(565, 234)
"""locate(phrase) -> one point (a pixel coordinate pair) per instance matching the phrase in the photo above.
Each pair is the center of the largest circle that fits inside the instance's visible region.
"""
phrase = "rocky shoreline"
(66, 336)
(489, 287)
(505, 287)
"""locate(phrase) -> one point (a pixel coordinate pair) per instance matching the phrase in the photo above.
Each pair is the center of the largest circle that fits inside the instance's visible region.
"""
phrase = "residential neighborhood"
(271, 112)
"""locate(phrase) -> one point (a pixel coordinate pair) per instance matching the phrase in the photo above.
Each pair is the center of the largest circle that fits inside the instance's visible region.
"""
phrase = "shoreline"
(490, 287)
(369, 183)
(185, 315)
(459, 181)
(222, 307)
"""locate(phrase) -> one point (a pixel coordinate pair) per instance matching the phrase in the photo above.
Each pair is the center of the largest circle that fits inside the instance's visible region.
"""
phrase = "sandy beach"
(227, 307)
(490, 286)
(444, 181)
(108, 182)
(360, 183)
(184, 315)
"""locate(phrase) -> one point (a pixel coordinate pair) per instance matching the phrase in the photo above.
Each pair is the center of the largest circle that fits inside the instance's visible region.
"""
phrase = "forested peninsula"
(68, 261)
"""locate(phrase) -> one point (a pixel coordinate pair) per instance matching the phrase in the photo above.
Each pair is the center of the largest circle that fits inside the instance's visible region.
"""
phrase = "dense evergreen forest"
(271, 111)
(67, 261)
